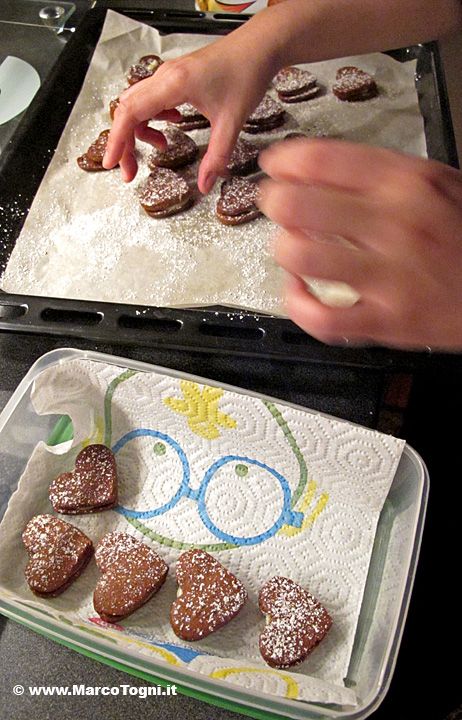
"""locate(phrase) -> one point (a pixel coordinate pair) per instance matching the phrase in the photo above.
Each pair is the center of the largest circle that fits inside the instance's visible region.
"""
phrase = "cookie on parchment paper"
(165, 193)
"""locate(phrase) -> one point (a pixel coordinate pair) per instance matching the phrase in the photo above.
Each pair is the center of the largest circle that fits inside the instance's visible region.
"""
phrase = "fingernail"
(208, 182)
(108, 162)
(161, 143)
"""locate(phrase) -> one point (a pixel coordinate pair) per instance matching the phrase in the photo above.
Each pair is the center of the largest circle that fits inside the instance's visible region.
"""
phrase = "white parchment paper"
(336, 477)
(87, 237)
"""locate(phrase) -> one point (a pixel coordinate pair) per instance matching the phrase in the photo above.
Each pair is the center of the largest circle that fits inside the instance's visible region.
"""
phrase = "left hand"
(403, 218)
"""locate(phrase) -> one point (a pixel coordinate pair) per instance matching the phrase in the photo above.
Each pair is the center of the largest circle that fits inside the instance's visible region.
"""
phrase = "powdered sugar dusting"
(181, 150)
(131, 573)
(237, 196)
(92, 485)
(296, 622)
(188, 111)
(244, 156)
(163, 186)
(293, 79)
(352, 83)
(267, 110)
(210, 596)
(58, 552)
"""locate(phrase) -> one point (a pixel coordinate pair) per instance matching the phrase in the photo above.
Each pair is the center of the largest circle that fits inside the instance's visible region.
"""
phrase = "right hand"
(224, 81)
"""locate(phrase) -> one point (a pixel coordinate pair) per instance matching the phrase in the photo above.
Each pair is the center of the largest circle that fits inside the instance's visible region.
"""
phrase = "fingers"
(403, 218)
(414, 197)
(128, 164)
(371, 323)
(148, 135)
(328, 324)
(335, 163)
(143, 101)
(222, 140)
(384, 175)
(323, 210)
(300, 254)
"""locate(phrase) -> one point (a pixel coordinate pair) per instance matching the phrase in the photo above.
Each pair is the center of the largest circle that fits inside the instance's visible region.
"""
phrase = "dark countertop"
(426, 681)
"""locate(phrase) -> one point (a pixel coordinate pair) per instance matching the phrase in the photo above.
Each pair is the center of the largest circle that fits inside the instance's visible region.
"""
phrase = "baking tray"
(386, 596)
(221, 330)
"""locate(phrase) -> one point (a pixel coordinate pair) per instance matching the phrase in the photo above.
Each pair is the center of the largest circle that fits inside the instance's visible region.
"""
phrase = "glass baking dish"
(385, 602)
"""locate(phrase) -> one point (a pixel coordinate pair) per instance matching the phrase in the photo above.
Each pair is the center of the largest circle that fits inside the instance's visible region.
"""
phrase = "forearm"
(309, 30)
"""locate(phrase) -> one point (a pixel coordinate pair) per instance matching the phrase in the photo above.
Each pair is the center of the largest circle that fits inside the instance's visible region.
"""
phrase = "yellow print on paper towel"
(200, 407)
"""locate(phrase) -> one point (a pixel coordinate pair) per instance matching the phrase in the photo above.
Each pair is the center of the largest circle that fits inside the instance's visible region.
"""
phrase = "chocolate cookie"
(295, 85)
(243, 160)
(266, 116)
(353, 84)
(296, 622)
(144, 68)
(181, 150)
(92, 160)
(236, 204)
(131, 573)
(90, 487)
(113, 105)
(294, 135)
(209, 596)
(165, 193)
(191, 118)
(58, 553)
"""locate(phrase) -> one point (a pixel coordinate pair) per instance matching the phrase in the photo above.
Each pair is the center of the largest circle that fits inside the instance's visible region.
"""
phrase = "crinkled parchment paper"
(86, 236)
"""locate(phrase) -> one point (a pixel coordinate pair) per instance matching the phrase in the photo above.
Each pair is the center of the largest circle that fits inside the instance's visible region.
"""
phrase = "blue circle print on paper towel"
(286, 517)
(184, 485)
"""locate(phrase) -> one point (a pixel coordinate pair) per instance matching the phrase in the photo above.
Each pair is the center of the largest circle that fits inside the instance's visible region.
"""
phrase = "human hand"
(224, 81)
(403, 218)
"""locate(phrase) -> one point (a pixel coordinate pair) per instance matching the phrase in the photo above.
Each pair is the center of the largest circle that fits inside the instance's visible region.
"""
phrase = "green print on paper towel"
(201, 410)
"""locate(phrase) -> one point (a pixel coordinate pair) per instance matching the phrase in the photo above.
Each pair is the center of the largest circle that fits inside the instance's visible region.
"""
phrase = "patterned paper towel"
(267, 489)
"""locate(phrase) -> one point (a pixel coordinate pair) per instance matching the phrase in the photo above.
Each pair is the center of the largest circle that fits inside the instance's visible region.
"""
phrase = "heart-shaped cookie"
(266, 116)
(180, 151)
(209, 596)
(296, 622)
(144, 68)
(92, 159)
(131, 573)
(191, 118)
(165, 193)
(295, 85)
(243, 160)
(236, 204)
(58, 553)
(90, 487)
(353, 85)
(113, 105)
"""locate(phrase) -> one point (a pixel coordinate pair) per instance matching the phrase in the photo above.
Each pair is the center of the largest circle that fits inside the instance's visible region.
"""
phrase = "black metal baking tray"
(26, 158)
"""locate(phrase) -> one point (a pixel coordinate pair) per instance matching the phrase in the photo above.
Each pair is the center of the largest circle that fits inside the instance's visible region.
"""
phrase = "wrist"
(259, 42)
